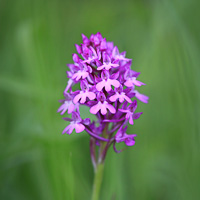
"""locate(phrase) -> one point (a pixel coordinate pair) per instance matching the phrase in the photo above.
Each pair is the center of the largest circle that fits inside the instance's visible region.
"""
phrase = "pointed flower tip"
(83, 36)
(78, 48)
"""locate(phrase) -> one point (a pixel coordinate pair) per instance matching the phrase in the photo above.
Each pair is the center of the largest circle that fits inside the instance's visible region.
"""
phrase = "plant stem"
(99, 167)
(98, 176)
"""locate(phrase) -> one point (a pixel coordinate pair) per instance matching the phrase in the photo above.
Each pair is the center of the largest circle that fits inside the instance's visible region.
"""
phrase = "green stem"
(98, 170)
(98, 176)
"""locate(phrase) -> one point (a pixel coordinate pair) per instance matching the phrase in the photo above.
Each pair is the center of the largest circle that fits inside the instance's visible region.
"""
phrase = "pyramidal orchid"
(108, 88)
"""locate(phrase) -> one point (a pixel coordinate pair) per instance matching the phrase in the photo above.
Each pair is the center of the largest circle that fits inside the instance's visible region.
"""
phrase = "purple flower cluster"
(107, 86)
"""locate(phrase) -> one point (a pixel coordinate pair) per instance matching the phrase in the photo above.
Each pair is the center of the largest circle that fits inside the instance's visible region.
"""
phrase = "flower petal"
(103, 109)
(62, 108)
(100, 85)
(114, 83)
(141, 97)
(83, 98)
(107, 86)
(127, 99)
(100, 67)
(121, 98)
(77, 98)
(137, 115)
(68, 129)
(129, 141)
(137, 83)
(131, 120)
(124, 111)
(79, 127)
(94, 109)
(91, 95)
(111, 108)
(69, 84)
(113, 98)
(129, 83)
(71, 108)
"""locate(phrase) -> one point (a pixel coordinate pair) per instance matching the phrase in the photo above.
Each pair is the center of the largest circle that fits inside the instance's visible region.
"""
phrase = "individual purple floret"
(107, 64)
(102, 105)
(130, 112)
(84, 93)
(101, 79)
(90, 55)
(120, 94)
(121, 136)
(67, 104)
(130, 77)
(107, 81)
(75, 123)
(119, 56)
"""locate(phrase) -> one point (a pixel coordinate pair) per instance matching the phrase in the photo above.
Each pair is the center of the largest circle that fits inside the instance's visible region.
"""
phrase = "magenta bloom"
(130, 115)
(107, 81)
(121, 136)
(119, 56)
(75, 123)
(107, 64)
(102, 106)
(84, 93)
(119, 94)
(130, 77)
(100, 78)
(67, 104)
(80, 71)
(91, 55)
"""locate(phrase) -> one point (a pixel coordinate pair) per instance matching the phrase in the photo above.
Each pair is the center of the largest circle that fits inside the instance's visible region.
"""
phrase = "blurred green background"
(36, 41)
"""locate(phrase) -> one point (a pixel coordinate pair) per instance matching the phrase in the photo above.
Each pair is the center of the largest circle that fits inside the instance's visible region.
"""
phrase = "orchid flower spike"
(100, 78)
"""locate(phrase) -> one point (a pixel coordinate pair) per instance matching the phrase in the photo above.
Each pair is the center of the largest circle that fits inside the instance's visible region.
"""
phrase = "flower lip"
(84, 93)
(107, 81)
